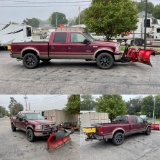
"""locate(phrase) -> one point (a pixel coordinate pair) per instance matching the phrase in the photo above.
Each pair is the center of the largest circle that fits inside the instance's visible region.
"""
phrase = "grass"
(151, 120)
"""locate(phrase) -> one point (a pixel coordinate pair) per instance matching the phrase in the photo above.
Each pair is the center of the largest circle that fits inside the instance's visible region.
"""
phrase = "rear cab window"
(60, 37)
(133, 119)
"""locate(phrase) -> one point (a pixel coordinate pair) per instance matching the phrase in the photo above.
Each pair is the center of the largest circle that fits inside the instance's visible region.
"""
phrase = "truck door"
(77, 48)
(141, 124)
(58, 48)
(133, 124)
(17, 121)
(23, 122)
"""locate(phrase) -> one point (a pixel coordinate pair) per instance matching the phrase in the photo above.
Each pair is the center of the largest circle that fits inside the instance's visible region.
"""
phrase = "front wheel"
(13, 127)
(30, 135)
(118, 138)
(30, 60)
(105, 61)
(148, 131)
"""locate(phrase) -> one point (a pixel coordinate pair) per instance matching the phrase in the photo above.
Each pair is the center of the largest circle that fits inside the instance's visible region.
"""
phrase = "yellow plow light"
(9, 47)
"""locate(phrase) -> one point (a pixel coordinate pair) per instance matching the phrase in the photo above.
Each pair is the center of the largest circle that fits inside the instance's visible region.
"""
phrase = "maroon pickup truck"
(67, 45)
(33, 124)
(122, 126)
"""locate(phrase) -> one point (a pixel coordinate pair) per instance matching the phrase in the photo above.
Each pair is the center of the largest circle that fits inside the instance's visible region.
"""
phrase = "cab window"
(77, 38)
(60, 37)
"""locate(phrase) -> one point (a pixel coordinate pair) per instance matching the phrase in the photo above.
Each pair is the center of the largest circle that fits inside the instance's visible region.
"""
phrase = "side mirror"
(86, 41)
(20, 119)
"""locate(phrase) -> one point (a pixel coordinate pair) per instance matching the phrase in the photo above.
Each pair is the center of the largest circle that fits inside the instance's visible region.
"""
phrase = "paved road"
(78, 76)
(135, 147)
(14, 146)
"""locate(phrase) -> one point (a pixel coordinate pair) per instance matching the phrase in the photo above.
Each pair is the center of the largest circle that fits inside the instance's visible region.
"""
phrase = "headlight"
(38, 127)
(118, 47)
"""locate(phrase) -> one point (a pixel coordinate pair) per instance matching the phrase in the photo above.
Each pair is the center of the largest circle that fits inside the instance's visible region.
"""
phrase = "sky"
(18, 10)
(37, 102)
(48, 102)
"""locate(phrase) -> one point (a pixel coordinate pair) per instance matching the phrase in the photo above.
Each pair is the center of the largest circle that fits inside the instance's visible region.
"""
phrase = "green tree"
(14, 106)
(57, 18)
(73, 104)
(2, 111)
(111, 17)
(147, 105)
(34, 22)
(71, 21)
(156, 12)
(134, 106)
(141, 6)
(80, 18)
(112, 104)
(87, 102)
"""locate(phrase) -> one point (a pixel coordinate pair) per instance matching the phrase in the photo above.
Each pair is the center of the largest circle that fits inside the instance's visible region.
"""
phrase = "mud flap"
(58, 139)
(143, 56)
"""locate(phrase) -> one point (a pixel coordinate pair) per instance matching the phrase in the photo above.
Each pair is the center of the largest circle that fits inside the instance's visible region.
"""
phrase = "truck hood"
(39, 122)
(101, 43)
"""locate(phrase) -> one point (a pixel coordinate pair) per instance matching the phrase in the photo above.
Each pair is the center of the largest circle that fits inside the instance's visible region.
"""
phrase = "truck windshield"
(89, 36)
(34, 116)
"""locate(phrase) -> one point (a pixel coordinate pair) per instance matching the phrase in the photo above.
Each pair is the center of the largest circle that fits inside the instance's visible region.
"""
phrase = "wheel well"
(118, 131)
(29, 51)
(29, 128)
(104, 51)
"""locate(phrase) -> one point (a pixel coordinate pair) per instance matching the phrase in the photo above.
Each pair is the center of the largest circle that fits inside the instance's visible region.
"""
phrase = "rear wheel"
(118, 138)
(30, 135)
(30, 60)
(148, 131)
(104, 61)
(13, 127)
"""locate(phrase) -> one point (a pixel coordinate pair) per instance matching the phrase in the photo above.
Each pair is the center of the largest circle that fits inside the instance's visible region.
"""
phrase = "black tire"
(104, 61)
(30, 135)
(30, 60)
(135, 42)
(148, 131)
(45, 60)
(118, 138)
(13, 127)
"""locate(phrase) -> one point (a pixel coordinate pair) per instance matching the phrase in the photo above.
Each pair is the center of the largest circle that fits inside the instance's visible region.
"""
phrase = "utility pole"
(25, 98)
(56, 20)
(154, 109)
(29, 107)
(145, 25)
(79, 16)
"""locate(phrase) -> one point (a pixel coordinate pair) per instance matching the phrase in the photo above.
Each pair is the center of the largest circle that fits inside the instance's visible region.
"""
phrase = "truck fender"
(102, 50)
(30, 48)
(117, 129)
(29, 126)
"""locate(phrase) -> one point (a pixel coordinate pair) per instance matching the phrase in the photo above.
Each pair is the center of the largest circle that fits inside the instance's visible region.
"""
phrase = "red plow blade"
(137, 55)
(58, 139)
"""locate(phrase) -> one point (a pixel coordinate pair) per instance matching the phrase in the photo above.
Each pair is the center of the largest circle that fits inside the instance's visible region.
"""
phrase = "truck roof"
(29, 112)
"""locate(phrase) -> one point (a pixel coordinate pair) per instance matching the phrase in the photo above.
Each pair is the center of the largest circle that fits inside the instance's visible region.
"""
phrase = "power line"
(41, 6)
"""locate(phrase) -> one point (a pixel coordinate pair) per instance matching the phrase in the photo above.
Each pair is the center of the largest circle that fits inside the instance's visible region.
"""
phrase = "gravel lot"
(14, 146)
(78, 76)
(135, 147)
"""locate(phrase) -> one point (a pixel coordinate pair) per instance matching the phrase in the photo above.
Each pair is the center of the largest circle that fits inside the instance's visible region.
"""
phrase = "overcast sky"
(18, 10)
(37, 102)
(48, 102)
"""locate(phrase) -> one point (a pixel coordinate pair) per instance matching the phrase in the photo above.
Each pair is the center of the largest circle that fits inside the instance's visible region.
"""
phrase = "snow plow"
(58, 139)
(137, 55)
(155, 126)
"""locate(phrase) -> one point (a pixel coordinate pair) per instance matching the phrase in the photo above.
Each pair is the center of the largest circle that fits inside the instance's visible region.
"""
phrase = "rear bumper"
(18, 56)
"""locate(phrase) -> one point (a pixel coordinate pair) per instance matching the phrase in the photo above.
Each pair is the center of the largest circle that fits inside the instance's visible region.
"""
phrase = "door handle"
(69, 47)
(52, 47)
